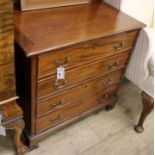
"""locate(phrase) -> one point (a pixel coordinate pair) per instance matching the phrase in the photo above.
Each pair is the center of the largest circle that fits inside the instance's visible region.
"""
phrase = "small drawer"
(90, 102)
(82, 54)
(48, 86)
(61, 100)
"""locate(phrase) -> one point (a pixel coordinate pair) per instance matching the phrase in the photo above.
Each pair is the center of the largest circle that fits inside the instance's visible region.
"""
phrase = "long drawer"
(82, 54)
(74, 77)
(59, 101)
(91, 101)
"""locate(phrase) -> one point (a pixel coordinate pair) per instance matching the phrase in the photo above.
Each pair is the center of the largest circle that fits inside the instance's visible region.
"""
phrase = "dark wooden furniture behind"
(42, 4)
(93, 42)
(9, 109)
(7, 73)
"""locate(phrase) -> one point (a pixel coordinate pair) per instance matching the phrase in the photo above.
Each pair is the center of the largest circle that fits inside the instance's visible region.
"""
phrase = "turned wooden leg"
(147, 108)
(18, 128)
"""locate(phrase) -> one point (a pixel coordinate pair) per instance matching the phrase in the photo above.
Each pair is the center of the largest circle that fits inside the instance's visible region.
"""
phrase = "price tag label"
(2, 129)
(60, 73)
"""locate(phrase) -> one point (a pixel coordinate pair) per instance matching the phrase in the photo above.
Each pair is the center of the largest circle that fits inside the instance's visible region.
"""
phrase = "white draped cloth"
(140, 69)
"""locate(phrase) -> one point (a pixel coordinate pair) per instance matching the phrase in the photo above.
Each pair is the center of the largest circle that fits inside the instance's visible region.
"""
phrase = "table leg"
(18, 127)
(148, 103)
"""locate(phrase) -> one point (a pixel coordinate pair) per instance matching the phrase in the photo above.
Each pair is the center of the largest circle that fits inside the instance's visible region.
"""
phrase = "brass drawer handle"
(59, 85)
(103, 98)
(54, 105)
(115, 65)
(52, 120)
(119, 45)
(59, 63)
(62, 102)
(110, 81)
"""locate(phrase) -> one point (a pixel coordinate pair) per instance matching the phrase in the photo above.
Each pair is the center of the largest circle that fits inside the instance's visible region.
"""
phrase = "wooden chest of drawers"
(93, 42)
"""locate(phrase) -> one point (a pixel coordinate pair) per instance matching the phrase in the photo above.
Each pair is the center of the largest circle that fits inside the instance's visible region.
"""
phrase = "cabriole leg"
(147, 108)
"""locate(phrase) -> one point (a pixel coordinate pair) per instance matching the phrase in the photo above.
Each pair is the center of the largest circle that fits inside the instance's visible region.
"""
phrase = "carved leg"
(147, 108)
(18, 128)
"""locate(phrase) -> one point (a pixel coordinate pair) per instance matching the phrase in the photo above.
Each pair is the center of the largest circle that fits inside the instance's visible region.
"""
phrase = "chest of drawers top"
(69, 26)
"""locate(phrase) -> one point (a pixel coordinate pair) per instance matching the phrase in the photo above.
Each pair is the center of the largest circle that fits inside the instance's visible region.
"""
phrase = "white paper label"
(60, 73)
(1, 119)
(2, 131)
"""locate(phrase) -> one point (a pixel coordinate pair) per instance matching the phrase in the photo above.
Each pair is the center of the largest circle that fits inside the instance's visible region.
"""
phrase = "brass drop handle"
(115, 65)
(110, 81)
(59, 85)
(101, 99)
(59, 63)
(119, 45)
(67, 60)
(52, 120)
(53, 105)
(61, 103)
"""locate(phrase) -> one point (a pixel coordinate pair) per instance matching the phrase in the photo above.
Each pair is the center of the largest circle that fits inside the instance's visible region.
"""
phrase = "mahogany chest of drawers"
(93, 42)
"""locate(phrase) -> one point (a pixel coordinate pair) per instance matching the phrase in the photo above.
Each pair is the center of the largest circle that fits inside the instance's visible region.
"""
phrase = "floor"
(106, 133)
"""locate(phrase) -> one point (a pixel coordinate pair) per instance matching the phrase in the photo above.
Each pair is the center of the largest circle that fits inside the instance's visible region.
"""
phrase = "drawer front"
(92, 101)
(72, 57)
(59, 101)
(74, 77)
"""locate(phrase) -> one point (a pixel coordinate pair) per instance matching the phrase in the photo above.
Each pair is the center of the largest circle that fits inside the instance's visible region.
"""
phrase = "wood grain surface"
(80, 106)
(99, 40)
(83, 54)
(42, 4)
(11, 111)
(7, 76)
(74, 77)
(59, 101)
(52, 29)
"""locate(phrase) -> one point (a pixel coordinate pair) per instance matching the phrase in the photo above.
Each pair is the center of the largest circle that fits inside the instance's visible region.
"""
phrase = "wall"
(139, 9)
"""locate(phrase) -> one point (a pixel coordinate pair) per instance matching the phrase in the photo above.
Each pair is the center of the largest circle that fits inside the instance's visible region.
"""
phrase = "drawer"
(59, 101)
(74, 77)
(82, 54)
(90, 102)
